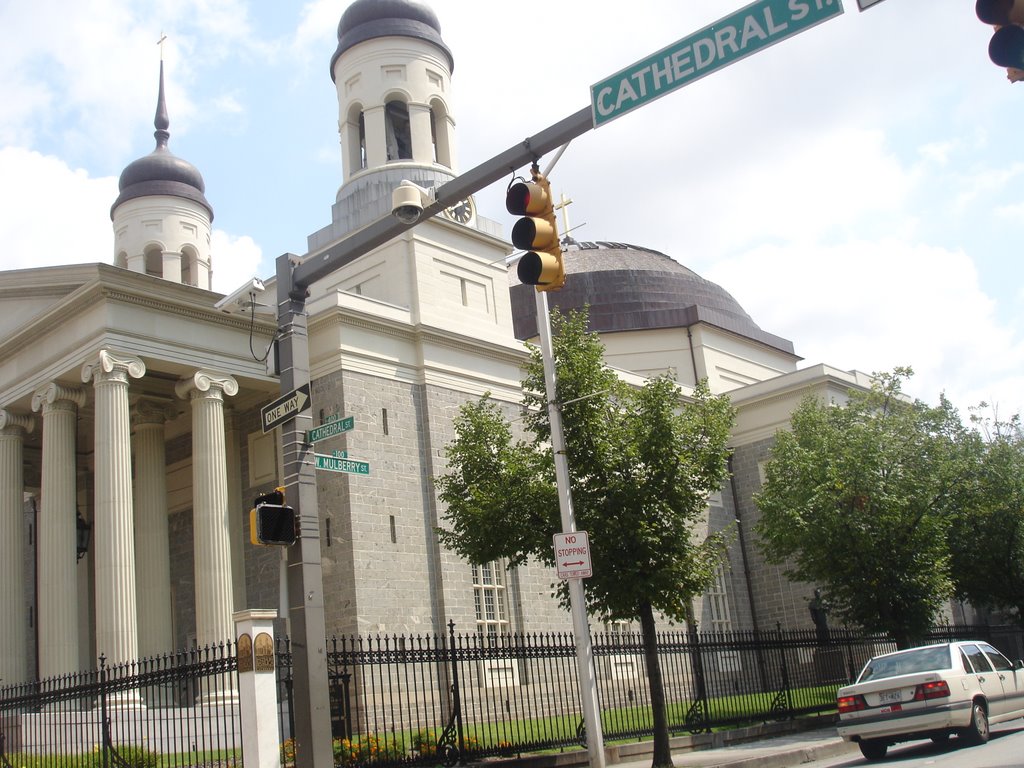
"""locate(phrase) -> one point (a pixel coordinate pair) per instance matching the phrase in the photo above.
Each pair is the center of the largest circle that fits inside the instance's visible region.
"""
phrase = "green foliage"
(138, 757)
(859, 499)
(133, 757)
(642, 464)
(364, 750)
(986, 539)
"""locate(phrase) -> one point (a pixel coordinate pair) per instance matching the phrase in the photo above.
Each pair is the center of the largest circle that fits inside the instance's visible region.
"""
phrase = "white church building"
(131, 444)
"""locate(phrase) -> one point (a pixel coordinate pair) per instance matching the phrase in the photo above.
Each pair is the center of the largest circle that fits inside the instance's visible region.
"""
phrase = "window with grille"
(489, 599)
(718, 602)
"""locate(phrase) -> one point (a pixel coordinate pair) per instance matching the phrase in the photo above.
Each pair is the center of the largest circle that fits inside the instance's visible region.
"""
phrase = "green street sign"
(340, 464)
(734, 37)
(330, 429)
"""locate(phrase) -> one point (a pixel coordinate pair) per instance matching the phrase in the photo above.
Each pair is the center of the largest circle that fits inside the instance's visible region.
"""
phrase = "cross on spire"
(563, 206)
(160, 42)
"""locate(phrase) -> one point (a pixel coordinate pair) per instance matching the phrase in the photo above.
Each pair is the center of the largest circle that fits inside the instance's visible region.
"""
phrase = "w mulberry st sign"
(734, 37)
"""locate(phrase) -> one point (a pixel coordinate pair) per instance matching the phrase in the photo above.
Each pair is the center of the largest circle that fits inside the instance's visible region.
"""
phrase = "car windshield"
(907, 663)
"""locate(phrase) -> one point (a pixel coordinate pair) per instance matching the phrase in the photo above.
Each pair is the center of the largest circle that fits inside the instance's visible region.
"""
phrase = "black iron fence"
(440, 699)
(177, 709)
(455, 697)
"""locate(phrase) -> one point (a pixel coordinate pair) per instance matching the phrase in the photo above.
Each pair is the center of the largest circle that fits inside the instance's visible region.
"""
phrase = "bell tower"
(392, 73)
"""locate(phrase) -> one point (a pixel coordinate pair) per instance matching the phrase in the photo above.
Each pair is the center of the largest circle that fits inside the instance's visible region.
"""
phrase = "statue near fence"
(819, 615)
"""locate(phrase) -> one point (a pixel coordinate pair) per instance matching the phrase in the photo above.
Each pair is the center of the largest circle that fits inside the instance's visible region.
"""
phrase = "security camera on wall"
(243, 299)
(408, 201)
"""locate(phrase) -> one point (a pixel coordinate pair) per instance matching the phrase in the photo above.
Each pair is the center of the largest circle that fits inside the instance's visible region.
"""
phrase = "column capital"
(147, 411)
(113, 366)
(15, 422)
(52, 393)
(206, 383)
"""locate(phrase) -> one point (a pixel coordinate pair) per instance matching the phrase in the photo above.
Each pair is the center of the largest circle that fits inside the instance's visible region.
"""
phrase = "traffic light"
(271, 521)
(536, 233)
(1006, 48)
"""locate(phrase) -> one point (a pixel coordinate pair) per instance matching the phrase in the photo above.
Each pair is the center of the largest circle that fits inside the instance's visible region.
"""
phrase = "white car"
(930, 692)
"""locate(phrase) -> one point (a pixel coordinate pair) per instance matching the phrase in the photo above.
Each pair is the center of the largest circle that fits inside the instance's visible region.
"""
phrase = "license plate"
(889, 697)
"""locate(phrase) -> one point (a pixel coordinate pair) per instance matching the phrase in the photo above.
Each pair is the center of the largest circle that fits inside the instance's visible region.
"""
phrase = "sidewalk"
(774, 752)
(771, 745)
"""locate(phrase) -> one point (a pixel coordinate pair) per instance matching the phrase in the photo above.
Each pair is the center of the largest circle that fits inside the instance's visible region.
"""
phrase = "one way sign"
(285, 407)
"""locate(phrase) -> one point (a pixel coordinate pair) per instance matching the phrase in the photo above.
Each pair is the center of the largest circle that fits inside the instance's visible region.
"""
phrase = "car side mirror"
(1018, 664)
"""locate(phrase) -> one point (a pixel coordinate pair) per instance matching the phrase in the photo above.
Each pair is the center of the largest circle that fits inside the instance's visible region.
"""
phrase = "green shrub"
(365, 749)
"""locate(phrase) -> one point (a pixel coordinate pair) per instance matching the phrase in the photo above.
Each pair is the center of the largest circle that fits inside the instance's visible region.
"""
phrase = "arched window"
(362, 141)
(121, 260)
(439, 134)
(154, 261)
(188, 266)
(354, 137)
(398, 133)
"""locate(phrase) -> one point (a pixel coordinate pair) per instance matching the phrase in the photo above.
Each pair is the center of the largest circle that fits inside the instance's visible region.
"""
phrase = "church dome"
(161, 172)
(368, 19)
(629, 288)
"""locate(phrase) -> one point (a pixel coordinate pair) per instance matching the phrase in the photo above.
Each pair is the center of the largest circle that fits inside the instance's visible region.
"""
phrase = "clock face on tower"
(462, 212)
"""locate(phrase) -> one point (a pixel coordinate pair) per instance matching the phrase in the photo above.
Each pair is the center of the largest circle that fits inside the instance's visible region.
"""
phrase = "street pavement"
(774, 752)
(776, 745)
(769, 745)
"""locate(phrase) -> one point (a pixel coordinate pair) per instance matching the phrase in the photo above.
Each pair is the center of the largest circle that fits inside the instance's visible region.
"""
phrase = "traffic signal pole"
(305, 575)
(577, 596)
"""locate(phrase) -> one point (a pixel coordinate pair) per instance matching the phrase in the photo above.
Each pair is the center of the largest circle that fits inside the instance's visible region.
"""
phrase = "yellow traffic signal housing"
(536, 233)
(271, 521)
(1006, 48)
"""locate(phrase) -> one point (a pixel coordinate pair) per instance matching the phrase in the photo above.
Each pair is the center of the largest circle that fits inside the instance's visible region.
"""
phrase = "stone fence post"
(257, 688)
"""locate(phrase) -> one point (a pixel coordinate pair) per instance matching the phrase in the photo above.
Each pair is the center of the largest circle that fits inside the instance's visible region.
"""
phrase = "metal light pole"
(577, 597)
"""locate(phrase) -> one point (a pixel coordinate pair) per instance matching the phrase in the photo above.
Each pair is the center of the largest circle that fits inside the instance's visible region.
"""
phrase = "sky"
(858, 188)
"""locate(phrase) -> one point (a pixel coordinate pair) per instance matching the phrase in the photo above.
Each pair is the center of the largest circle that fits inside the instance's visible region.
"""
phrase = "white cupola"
(162, 220)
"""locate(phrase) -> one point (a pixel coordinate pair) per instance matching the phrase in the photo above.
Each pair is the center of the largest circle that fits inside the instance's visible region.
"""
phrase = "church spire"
(161, 121)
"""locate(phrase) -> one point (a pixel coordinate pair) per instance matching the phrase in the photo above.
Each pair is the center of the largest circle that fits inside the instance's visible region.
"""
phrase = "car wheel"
(873, 749)
(977, 732)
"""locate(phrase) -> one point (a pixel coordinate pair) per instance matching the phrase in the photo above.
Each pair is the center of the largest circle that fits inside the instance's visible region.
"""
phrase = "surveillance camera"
(243, 298)
(408, 201)
(408, 214)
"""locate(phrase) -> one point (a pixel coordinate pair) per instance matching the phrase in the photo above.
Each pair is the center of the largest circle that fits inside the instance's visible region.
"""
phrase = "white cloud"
(876, 305)
(63, 215)
(318, 22)
(235, 260)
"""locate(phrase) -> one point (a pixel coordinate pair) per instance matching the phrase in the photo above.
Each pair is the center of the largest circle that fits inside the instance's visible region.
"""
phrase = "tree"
(859, 498)
(642, 466)
(986, 540)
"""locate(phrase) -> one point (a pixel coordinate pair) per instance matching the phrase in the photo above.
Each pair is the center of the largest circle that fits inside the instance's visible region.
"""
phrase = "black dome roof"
(629, 288)
(367, 19)
(161, 172)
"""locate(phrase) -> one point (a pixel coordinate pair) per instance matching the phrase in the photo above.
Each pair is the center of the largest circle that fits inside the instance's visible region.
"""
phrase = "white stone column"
(238, 512)
(422, 134)
(136, 262)
(201, 272)
(117, 635)
(152, 541)
(57, 587)
(171, 266)
(13, 617)
(210, 517)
